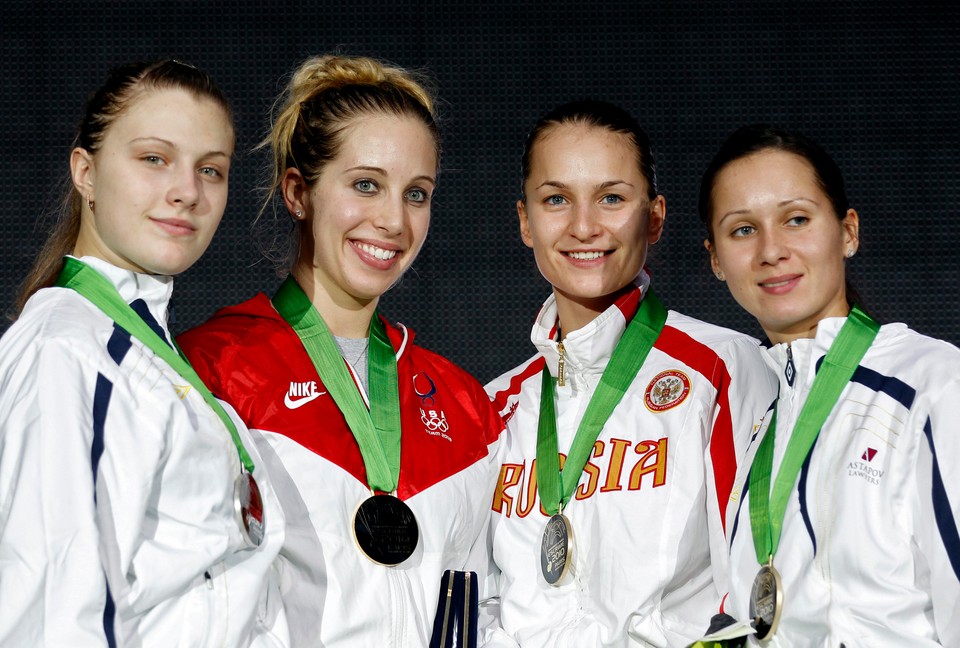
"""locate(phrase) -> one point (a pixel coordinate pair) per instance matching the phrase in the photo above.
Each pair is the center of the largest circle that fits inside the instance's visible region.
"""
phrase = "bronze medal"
(248, 506)
(766, 601)
(556, 549)
(385, 530)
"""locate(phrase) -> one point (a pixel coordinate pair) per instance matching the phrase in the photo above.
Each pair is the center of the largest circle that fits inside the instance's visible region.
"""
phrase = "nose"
(186, 188)
(773, 248)
(390, 216)
(585, 222)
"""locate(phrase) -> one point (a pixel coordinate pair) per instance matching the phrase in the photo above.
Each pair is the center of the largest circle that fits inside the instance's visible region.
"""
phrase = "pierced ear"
(524, 224)
(293, 188)
(851, 231)
(656, 218)
(83, 173)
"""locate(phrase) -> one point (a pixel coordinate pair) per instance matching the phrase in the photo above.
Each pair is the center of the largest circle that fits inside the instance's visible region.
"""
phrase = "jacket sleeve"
(746, 387)
(938, 488)
(52, 583)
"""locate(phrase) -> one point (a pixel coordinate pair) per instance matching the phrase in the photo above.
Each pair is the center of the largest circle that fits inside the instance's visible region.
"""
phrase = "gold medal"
(766, 601)
(248, 507)
(386, 530)
(556, 549)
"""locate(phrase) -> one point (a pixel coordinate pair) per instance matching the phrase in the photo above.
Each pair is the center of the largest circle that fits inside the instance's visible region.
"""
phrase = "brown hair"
(323, 96)
(124, 85)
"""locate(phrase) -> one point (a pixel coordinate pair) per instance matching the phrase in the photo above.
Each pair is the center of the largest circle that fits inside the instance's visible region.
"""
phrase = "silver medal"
(556, 549)
(248, 506)
(766, 601)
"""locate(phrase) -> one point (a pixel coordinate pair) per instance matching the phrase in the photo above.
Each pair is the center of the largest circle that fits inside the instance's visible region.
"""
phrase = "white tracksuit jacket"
(870, 553)
(117, 523)
(647, 513)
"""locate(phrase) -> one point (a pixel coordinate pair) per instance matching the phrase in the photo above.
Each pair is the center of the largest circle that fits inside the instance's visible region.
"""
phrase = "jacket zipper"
(560, 368)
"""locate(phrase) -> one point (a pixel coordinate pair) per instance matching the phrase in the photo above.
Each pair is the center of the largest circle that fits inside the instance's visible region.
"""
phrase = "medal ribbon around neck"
(77, 275)
(556, 486)
(766, 509)
(376, 430)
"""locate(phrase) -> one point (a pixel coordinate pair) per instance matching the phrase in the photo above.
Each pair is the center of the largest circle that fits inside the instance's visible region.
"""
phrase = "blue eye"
(611, 199)
(555, 199)
(153, 159)
(798, 220)
(743, 230)
(418, 195)
(365, 186)
(210, 171)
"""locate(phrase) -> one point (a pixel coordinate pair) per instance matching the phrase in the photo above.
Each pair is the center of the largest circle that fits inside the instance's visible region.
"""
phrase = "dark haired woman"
(134, 510)
(620, 541)
(845, 531)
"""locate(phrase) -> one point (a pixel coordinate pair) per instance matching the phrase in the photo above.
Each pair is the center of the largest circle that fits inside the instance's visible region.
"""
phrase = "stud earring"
(299, 214)
(850, 253)
(719, 275)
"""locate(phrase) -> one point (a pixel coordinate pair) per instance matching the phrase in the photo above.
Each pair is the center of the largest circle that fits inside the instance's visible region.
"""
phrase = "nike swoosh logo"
(300, 402)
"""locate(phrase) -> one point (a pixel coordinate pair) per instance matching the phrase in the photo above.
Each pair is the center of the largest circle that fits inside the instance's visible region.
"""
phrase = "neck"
(344, 316)
(803, 330)
(576, 312)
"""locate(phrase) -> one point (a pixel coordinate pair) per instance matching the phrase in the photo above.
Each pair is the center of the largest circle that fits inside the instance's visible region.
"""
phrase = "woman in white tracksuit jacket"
(646, 508)
(869, 552)
(118, 515)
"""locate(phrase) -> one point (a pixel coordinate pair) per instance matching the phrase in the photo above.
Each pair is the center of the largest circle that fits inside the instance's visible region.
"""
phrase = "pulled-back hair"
(748, 140)
(600, 114)
(124, 86)
(324, 96)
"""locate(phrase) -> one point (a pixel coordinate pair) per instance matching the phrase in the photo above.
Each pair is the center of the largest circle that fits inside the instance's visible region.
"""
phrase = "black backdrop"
(876, 82)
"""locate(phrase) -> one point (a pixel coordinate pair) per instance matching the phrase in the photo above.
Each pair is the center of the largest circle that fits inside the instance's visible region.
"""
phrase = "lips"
(175, 226)
(780, 284)
(376, 254)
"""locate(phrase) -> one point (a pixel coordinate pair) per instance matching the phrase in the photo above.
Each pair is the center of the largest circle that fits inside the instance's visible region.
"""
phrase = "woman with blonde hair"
(134, 507)
(382, 449)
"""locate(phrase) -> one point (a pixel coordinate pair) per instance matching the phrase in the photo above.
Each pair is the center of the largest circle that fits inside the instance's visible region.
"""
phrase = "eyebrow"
(782, 203)
(166, 142)
(381, 171)
(602, 185)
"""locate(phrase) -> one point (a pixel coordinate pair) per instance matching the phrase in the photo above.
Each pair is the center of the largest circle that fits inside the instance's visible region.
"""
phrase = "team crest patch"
(667, 389)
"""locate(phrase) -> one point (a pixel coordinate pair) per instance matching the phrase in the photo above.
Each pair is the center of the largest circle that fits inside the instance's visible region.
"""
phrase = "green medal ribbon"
(77, 275)
(842, 359)
(376, 430)
(628, 356)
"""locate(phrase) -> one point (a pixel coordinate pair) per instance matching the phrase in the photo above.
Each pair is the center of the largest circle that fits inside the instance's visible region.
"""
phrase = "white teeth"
(379, 253)
(585, 256)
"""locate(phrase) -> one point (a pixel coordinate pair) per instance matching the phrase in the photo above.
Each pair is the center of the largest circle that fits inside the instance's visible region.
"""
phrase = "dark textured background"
(875, 82)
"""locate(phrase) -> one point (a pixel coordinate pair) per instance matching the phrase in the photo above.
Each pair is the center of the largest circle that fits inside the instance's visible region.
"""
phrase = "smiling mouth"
(377, 252)
(585, 256)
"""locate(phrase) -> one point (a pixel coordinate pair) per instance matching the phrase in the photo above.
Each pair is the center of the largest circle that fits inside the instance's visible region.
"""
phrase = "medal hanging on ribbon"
(97, 289)
(768, 508)
(384, 527)
(556, 487)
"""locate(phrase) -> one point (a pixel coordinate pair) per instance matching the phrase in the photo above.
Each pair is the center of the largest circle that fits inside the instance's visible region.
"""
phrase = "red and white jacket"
(647, 516)
(334, 595)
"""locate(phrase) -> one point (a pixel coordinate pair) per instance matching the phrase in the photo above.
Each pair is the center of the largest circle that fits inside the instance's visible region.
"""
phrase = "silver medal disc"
(248, 506)
(385, 530)
(766, 602)
(556, 549)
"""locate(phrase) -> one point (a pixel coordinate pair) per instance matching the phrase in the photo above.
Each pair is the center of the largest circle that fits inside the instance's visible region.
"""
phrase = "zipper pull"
(560, 368)
(790, 372)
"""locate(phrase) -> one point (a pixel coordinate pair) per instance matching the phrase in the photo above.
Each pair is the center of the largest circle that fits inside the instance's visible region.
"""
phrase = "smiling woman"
(129, 492)
(384, 450)
(846, 529)
(624, 430)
